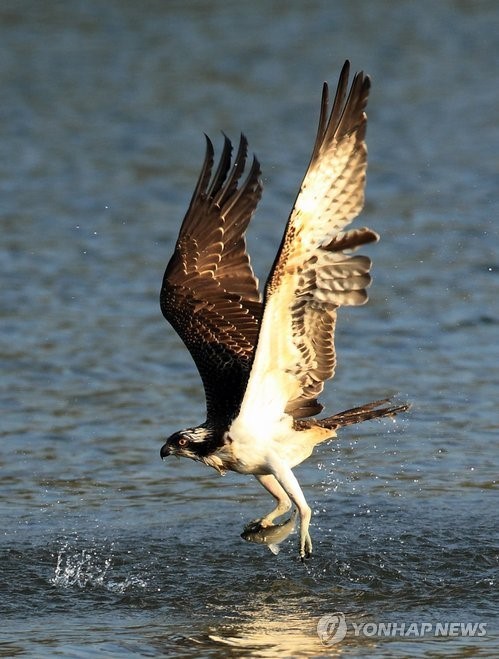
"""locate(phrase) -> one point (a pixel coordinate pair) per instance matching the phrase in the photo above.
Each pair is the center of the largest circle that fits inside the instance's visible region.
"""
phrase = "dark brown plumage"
(210, 293)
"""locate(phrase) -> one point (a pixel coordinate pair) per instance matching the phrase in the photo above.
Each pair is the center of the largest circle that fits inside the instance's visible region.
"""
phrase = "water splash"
(91, 568)
(79, 568)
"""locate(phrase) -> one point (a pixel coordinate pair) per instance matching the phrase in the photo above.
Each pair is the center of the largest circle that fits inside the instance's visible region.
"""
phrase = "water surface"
(105, 551)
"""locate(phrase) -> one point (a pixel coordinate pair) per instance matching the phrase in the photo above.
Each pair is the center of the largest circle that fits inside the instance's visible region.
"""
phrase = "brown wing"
(314, 273)
(210, 294)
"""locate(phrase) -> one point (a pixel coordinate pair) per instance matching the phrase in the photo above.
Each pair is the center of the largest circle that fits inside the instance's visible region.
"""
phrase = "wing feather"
(314, 272)
(209, 293)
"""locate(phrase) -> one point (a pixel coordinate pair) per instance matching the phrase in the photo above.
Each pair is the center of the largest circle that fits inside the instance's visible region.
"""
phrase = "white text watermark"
(333, 628)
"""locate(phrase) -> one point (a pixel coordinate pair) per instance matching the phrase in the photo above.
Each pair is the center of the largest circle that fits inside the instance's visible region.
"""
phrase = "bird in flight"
(263, 361)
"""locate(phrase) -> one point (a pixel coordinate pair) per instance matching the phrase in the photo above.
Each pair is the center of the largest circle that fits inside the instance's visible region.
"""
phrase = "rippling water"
(106, 551)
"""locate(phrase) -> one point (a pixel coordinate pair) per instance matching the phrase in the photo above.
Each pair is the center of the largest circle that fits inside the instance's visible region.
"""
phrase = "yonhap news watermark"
(333, 628)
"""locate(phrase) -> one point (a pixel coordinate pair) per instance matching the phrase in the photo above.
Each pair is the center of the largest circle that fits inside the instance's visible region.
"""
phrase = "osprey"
(263, 362)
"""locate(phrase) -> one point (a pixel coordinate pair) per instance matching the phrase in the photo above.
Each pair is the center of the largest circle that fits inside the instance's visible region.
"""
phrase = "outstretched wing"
(314, 273)
(210, 294)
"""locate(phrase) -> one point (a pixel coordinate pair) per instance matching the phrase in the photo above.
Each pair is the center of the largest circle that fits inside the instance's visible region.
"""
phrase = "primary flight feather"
(264, 363)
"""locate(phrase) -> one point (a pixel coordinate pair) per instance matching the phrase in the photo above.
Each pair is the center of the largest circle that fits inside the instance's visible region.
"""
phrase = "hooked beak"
(165, 451)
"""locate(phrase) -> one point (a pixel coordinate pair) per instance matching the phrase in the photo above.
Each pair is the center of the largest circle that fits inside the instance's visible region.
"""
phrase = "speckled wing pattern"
(314, 272)
(210, 294)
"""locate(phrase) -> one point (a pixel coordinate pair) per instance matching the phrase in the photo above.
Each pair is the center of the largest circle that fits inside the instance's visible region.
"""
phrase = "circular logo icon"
(332, 628)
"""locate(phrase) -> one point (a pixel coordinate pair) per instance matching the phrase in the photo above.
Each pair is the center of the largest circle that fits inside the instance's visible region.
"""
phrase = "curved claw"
(306, 548)
(257, 525)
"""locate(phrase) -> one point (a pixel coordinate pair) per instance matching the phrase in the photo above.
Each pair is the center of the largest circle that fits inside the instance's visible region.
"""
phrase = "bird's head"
(186, 443)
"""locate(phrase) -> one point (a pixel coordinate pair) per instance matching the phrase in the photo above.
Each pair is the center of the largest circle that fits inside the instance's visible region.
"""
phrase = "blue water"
(105, 551)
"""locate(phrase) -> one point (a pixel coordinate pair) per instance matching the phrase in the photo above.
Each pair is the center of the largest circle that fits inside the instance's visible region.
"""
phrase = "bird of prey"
(264, 361)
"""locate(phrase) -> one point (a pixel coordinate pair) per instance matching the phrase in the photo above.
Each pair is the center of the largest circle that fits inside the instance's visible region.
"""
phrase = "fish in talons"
(272, 535)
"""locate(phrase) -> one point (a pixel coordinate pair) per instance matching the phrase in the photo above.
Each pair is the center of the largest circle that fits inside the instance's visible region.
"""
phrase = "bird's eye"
(182, 441)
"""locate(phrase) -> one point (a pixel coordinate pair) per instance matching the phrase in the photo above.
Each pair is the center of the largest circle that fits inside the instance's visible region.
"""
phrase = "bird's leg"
(270, 483)
(289, 483)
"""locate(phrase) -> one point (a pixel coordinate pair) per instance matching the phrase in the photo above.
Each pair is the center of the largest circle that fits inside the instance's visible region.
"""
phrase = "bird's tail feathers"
(374, 410)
